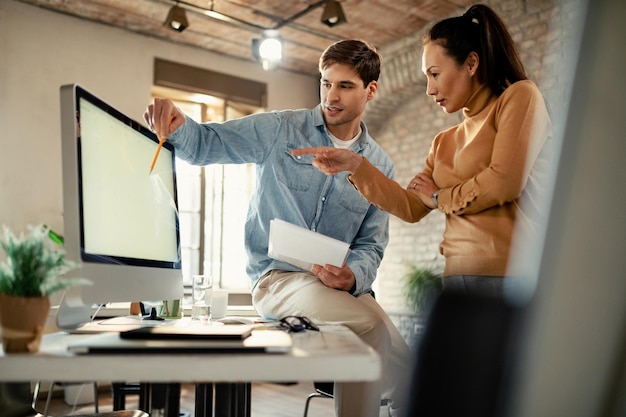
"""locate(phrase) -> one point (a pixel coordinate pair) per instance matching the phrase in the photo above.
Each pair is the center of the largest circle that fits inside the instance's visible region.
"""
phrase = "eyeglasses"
(297, 324)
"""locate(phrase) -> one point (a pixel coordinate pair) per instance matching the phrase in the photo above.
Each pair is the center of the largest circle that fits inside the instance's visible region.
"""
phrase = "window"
(213, 200)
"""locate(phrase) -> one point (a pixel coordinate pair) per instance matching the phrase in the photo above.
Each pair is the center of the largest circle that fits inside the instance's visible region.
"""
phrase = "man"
(291, 189)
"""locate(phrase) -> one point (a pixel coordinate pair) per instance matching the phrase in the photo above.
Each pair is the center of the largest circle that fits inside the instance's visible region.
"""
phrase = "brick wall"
(404, 121)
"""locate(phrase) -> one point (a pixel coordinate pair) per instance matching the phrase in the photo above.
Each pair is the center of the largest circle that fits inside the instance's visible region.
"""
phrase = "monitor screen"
(120, 219)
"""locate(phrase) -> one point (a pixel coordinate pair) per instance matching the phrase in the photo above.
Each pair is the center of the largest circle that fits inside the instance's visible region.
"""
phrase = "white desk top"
(122, 309)
(333, 353)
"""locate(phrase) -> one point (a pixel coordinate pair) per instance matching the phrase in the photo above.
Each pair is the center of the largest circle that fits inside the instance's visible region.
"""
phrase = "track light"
(268, 49)
(176, 19)
(333, 14)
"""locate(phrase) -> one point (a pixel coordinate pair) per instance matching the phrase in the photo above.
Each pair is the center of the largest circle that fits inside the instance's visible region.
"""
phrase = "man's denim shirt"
(290, 188)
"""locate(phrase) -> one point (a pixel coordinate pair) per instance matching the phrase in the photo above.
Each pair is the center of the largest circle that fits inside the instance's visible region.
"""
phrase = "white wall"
(42, 50)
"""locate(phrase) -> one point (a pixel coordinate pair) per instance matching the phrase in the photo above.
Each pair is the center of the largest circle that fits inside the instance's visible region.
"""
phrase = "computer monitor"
(120, 219)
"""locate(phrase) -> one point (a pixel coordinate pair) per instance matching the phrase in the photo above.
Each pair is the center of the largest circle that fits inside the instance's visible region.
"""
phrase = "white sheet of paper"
(303, 248)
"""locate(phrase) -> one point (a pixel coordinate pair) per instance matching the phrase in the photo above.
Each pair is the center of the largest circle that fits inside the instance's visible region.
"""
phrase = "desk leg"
(122, 389)
(172, 400)
(160, 396)
(247, 390)
(204, 400)
(233, 400)
(144, 396)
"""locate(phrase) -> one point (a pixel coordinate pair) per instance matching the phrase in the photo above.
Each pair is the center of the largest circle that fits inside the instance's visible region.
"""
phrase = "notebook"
(260, 341)
(201, 331)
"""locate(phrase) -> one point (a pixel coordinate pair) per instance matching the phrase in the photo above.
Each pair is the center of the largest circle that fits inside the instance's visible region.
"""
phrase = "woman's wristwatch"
(435, 198)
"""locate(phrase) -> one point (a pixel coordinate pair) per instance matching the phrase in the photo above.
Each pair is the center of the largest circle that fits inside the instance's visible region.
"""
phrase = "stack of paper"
(303, 248)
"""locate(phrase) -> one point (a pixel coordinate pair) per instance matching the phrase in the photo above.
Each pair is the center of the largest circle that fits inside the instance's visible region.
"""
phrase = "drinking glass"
(202, 291)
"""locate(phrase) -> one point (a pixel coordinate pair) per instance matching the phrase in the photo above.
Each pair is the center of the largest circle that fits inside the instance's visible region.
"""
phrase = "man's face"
(343, 99)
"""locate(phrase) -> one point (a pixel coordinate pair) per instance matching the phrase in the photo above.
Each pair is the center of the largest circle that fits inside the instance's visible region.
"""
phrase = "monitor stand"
(153, 315)
(153, 310)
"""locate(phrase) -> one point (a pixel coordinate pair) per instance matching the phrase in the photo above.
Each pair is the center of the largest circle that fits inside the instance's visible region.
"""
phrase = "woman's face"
(449, 84)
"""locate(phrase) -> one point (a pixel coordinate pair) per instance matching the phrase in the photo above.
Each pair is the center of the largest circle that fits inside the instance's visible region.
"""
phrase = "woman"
(477, 171)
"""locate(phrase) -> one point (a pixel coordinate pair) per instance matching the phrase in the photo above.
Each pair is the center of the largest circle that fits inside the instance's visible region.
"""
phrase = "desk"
(333, 353)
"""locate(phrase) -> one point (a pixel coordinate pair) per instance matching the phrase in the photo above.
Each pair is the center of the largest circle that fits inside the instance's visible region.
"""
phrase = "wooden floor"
(268, 400)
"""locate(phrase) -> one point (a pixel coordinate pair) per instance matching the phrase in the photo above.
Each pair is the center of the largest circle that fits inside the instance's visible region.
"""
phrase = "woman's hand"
(330, 160)
(163, 117)
(424, 187)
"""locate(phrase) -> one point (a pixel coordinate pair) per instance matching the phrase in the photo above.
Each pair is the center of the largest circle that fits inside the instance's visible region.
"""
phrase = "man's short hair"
(356, 53)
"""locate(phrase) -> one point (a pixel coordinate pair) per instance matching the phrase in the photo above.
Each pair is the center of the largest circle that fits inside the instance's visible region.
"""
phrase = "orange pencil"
(156, 155)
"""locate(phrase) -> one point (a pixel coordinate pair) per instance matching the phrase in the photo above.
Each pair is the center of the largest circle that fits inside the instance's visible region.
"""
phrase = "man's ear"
(372, 87)
(471, 62)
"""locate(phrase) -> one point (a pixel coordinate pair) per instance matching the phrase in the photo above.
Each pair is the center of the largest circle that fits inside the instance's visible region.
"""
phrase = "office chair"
(16, 400)
(326, 390)
(63, 384)
(120, 413)
(464, 358)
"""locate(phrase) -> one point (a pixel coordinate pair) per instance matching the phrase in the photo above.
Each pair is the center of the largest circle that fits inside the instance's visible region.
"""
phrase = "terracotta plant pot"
(23, 320)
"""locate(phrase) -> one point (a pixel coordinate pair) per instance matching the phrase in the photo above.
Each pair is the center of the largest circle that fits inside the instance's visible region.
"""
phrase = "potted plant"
(31, 272)
(421, 286)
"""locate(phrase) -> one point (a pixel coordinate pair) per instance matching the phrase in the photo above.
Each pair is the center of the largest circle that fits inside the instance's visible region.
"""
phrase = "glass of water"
(202, 292)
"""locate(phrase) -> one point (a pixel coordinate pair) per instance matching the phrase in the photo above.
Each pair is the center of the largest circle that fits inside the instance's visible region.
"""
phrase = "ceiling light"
(333, 14)
(176, 19)
(268, 49)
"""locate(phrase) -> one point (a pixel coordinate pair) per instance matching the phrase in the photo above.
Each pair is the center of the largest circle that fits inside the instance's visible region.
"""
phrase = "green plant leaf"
(421, 286)
(32, 267)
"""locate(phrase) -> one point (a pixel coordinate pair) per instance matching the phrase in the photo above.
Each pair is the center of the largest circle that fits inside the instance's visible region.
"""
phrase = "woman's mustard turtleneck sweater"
(482, 167)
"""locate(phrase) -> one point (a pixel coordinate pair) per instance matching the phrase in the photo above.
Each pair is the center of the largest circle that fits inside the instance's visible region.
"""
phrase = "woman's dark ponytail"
(480, 30)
